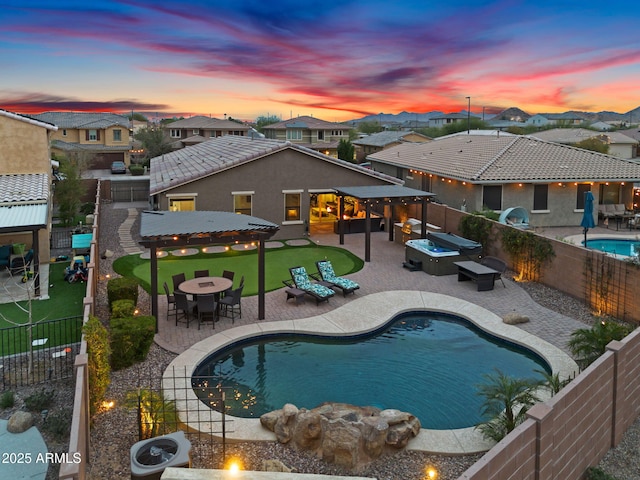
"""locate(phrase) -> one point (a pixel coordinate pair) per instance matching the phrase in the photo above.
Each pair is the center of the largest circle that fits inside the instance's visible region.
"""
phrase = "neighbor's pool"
(428, 364)
(617, 246)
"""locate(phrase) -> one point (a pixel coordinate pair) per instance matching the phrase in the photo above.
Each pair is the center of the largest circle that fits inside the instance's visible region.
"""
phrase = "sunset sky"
(333, 59)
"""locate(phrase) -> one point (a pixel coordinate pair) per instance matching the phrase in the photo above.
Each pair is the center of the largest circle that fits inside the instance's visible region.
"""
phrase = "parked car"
(118, 167)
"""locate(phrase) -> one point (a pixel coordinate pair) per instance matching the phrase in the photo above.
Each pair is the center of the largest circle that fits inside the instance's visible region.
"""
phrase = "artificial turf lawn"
(277, 264)
(65, 301)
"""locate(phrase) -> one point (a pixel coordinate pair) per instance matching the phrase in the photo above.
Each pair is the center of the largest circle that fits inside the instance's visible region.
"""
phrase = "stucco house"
(448, 119)
(549, 180)
(25, 187)
(99, 138)
(566, 119)
(379, 141)
(310, 132)
(620, 145)
(197, 129)
(284, 183)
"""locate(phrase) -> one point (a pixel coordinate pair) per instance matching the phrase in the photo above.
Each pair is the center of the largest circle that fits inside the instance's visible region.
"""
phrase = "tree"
(153, 141)
(588, 344)
(263, 121)
(507, 400)
(369, 127)
(69, 191)
(346, 151)
(138, 117)
(594, 144)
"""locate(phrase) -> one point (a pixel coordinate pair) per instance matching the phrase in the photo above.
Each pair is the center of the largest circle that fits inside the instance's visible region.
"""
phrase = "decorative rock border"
(184, 252)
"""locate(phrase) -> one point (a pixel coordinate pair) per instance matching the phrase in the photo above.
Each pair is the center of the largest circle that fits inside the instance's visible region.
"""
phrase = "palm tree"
(507, 400)
(587, 344)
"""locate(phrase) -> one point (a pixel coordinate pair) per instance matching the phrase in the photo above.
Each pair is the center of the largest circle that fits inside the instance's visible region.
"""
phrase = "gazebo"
(163, 229)
(381, 194)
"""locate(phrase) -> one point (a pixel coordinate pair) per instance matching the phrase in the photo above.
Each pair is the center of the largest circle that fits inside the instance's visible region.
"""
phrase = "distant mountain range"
(632, 116)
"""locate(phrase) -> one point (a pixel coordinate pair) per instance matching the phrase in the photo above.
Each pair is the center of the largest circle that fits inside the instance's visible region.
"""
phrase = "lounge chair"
(300, 280)
(498, 265)
(327, 274)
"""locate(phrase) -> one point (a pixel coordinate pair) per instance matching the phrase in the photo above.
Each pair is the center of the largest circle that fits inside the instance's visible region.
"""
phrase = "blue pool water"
(618, 246)
(428, 364)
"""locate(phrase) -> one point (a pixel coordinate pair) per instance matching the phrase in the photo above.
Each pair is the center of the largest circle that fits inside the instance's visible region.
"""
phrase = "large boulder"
(19, 422)
(343, 434)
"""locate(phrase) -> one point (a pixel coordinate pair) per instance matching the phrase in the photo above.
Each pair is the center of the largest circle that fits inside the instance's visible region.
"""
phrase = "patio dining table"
(205, 285)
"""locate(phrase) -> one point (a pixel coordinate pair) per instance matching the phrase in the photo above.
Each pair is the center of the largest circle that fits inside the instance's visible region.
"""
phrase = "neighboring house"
(98, 138)
(620, 145)
(501, 171)
(602, 126)
(284, 183)
(191, 131)
(310, 132)
(566, 119)
(382, 140)
(448, 119)
(502, 125)
(25, 184)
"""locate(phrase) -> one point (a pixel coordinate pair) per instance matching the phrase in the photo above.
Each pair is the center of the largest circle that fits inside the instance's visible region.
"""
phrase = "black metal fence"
(38, 353)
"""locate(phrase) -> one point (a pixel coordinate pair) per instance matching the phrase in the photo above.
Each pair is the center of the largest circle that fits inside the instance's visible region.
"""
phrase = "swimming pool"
(617, 246)
(428, 364)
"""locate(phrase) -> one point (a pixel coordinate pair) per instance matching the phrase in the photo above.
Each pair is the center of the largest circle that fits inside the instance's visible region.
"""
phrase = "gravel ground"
(114, 431)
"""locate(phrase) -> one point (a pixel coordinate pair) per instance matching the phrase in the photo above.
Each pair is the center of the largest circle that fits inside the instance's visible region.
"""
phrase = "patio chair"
(184, 305)
(327, 274)
(232, 303)
(177, 280)
(201, 273)
(207, 306)
(497, 264)
(171, 300)
(230, 276)
(300, 280)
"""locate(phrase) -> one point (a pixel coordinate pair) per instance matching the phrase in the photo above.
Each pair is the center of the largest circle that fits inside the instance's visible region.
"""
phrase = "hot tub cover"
(454, 242)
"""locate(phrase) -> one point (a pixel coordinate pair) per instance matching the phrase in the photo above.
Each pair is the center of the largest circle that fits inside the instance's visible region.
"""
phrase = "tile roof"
(221, 153)
(89, 147)
(508, 159)
(382, 139)
(575, 135)
(24, 188)
(306, 121)
(200, 121)
(27, 119)
(83, 119)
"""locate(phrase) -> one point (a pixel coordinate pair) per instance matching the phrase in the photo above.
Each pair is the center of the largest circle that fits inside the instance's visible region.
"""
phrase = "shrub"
(131, 337)
(588, 344)
(122, 288)
(99, 351)
(123, 308)
(41, 400)
(595, 473)
(156, 415)
(87, 208)
(58, 424)
(136, 169)
(7, 400)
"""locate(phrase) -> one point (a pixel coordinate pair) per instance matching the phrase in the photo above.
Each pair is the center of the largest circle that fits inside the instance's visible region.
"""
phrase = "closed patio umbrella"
(587, 217)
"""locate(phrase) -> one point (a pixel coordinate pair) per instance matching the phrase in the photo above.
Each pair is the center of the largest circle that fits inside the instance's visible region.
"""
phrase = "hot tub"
(435, 258)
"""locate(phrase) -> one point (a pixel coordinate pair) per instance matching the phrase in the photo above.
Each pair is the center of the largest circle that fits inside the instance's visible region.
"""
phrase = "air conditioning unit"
(149, 458)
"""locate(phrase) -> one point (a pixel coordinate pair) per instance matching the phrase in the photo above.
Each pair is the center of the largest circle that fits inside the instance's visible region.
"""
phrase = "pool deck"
(386, 287)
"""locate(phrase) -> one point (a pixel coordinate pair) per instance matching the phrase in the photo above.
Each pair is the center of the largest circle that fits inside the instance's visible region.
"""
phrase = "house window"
(182, 204)
(93, 135)
(540, 197)
(320, 134)
(242, 202)
(292, 206)
(196, 131)
(583, 188)
(175, 133)
(64, 132)
(336, 133)
(294, 134)
(492, 197)
(117, 135)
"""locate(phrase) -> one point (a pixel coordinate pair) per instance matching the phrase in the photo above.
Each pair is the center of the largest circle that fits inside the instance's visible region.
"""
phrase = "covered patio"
(163, 229)
(382, 195)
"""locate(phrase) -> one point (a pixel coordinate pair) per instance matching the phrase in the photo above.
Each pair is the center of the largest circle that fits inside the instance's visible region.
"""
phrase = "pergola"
(387, 195)
(163, 229)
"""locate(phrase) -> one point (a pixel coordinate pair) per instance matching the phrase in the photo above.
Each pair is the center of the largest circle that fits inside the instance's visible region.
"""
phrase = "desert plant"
(156, 415)
(38, 401)
(595, 473)
(507, 400)
(553, 382)
(588, 344)
(58, 423)
(7, 400)
(528, 251)
(99, 352)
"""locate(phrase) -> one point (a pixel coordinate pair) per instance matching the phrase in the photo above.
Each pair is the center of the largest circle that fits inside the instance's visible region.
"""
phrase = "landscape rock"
(274, 465)
(346, 435)
(19, 422)
(514, 318)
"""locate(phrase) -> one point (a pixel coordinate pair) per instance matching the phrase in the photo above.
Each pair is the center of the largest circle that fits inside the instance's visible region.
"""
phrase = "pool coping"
(362, 315)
